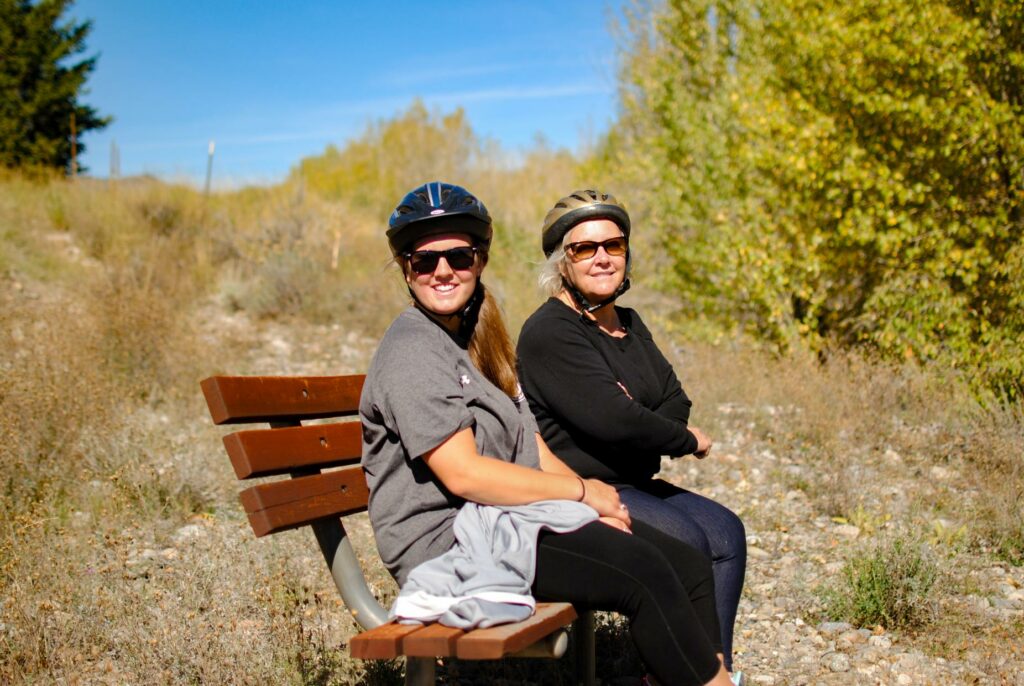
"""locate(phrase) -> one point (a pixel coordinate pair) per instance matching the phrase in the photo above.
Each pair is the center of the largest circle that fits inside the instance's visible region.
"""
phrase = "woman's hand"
(615, 524)
(605, 499)
(703, 443)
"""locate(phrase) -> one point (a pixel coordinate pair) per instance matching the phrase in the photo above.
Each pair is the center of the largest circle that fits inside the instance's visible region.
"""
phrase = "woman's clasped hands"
(605, 499)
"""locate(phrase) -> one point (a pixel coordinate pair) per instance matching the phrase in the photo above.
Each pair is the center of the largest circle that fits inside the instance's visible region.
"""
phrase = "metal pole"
(209, 166)
(74, 147)
(115, 161)
(419, 671)
(583, 645)
(347, 575)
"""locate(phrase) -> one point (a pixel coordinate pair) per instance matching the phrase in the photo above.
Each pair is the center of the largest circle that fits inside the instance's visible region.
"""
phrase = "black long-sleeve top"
(571, 373)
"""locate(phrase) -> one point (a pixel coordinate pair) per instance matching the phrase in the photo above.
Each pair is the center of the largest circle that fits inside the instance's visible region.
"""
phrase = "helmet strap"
(470, 314)
(467, 317)
(585, 306)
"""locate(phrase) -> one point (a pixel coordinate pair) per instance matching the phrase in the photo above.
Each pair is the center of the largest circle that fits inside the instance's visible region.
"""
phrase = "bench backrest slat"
(265, 452)
(290, 503)
(247, 399)
(283, 401)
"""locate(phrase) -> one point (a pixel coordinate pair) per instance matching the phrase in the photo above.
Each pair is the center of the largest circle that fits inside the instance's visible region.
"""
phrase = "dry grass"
(124, 557)
(107, 327)
(852, 418)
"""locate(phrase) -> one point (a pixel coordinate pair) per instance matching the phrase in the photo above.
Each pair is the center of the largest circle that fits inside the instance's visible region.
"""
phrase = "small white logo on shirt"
(464, 379)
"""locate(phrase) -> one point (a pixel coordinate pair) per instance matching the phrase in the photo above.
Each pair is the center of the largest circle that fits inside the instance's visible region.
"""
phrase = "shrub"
(836, 170)
(890, 585)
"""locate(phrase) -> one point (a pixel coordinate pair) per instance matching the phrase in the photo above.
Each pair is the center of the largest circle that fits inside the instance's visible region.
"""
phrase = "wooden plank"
(247, 399)
(283, 505)
(265, 452)
(382, 643)
(495, 642)
(433, 640)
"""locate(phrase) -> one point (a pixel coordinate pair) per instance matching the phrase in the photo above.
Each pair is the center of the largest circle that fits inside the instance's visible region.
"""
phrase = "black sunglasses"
(584, 250)
(425, 261)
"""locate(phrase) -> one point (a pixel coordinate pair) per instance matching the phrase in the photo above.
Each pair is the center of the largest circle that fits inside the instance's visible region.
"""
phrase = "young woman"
(605, 398)
(444, 423)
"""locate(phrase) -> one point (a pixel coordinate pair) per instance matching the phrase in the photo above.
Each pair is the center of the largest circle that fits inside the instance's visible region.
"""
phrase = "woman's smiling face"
(445, 290)
(596, 277)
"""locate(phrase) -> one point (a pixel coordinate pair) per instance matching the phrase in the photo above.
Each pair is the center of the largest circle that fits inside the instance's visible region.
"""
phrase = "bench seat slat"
(497, 641)
(382, 643)
(436, 640)
(247, 399)
(265, 452)
(432, 640)
(290, 503)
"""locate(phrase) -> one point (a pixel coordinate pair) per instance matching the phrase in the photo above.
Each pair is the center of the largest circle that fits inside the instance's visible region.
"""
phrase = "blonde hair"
(550, 277)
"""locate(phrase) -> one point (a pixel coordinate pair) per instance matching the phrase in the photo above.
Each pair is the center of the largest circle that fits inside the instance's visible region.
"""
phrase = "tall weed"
(889, 585)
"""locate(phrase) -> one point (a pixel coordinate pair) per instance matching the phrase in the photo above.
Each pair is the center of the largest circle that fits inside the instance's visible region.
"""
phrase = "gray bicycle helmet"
(576, 207)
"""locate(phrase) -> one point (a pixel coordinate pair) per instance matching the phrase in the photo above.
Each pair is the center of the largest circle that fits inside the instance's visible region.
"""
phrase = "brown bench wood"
(321, 499)
(435, 640)
(269, 452)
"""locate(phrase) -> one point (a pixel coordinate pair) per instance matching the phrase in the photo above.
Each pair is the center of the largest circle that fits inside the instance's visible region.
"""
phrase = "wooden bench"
(322, 499)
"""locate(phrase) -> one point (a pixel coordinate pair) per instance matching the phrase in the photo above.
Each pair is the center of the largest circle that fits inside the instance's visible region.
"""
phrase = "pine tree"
(40, 86)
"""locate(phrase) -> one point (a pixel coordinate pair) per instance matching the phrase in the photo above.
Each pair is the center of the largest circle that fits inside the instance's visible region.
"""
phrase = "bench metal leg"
(419, 671)
(583, 649)
(348, 576)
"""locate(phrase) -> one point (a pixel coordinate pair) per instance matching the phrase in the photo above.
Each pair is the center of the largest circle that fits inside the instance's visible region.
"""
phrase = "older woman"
(444, 424)
(607, 401)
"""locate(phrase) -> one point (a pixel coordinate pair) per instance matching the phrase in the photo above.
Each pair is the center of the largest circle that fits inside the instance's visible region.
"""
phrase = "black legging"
(662, 585)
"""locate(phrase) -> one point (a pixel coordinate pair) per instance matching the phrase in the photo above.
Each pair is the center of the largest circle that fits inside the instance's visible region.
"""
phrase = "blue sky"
(272, 82)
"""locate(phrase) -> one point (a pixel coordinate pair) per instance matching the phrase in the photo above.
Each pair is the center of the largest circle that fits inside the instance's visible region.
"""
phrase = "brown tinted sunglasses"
(584, 250)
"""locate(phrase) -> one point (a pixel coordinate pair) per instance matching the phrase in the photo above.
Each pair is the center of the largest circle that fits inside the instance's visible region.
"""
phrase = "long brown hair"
(490, 347)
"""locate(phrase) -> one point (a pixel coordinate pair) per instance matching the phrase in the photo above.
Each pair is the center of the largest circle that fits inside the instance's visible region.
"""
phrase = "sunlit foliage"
(374, 170)
(842, 170)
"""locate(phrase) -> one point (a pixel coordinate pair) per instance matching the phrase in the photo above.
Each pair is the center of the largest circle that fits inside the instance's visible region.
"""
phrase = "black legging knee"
(663, 586)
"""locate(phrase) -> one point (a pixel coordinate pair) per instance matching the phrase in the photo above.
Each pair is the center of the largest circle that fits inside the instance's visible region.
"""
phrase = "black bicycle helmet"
(576, 207)
(436, 208)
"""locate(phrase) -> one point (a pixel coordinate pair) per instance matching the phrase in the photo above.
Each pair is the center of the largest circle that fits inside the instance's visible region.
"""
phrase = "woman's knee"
(735, 532)
(736, 524)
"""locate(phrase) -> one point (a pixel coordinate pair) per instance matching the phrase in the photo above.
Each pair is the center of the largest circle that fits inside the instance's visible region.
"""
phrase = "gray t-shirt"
(420, 390)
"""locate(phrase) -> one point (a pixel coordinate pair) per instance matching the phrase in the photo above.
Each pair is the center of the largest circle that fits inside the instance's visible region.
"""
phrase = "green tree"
(846, 170)
(39, 88)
